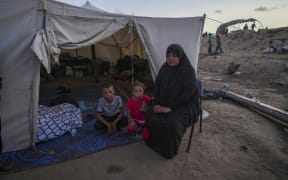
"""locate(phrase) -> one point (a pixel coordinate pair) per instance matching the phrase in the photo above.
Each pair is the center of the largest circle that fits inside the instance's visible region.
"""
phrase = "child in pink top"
(137, 105)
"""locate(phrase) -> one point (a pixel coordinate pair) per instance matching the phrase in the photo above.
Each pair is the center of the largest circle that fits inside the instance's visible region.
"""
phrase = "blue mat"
(86, 141)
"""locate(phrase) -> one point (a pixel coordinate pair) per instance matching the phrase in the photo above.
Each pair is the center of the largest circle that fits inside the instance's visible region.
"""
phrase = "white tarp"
(19, 70)
(90, 6)
(75, 27)
(158, 33)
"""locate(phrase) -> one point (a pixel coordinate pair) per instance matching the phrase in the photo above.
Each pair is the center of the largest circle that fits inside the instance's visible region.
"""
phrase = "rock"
(243, 148)
(232, 68)
(237, 73)
(205, 114)
(286, 67)
(226, 85)
(280, 82)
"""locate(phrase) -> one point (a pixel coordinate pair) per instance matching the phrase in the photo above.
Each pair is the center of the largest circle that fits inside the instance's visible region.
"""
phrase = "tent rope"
(131, 49)
(215, 20)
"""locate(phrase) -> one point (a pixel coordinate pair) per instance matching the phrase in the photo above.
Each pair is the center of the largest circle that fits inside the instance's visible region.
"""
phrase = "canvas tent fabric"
(113, 48)
(158, 33)
(19, 69)
(41, 28)
(63, 17)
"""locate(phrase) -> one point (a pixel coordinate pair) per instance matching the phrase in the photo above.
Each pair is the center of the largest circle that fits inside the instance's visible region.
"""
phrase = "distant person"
(5, 164)
(226, 31)
(245, 27)
(271, 46)
(218, 44)
(137, 106)
(110, 111)
(204, 34)
(210, 43)
(176, 103)
(253, 26)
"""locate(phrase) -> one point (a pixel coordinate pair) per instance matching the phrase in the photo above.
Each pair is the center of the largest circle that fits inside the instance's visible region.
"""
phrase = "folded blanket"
(57, 120)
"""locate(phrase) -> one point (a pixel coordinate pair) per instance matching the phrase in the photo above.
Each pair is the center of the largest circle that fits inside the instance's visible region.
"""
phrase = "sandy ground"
(236, 143)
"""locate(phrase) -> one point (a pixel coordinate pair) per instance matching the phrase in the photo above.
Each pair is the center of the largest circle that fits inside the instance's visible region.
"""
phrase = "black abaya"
(175, 87)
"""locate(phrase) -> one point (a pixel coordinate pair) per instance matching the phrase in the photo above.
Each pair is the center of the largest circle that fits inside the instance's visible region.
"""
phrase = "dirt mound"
(246, 142)
(261, 73)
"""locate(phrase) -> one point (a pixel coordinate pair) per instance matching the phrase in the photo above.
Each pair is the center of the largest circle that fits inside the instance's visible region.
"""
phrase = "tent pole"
(120, 50)
(131, 51)
(93, 51)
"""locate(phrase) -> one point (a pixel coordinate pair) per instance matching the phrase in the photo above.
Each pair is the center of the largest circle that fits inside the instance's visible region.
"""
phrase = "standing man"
(210, 43)
(253, 26)
(5, 165)
(245, 27)
(218, 44)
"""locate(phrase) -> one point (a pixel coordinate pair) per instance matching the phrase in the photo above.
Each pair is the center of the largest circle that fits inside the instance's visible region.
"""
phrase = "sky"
(271, 13)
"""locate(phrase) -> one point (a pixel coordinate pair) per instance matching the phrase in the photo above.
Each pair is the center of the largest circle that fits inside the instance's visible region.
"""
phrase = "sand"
(236, 143)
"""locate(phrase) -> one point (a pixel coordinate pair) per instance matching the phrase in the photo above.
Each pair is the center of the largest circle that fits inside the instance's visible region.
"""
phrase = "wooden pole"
(93, 52)
(268, 111)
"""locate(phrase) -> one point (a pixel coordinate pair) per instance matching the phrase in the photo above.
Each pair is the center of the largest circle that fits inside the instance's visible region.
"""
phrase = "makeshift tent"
(233, 23)
(33, 31)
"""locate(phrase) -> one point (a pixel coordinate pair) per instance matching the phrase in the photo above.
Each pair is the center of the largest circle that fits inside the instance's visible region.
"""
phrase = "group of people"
(253, 26)
(174, 107)
(163, 120)
(218, 48)
(110, 110)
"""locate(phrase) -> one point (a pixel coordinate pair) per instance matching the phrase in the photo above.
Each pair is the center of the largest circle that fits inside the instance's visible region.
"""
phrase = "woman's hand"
(156, 108)
(165, 109)
(161, 109)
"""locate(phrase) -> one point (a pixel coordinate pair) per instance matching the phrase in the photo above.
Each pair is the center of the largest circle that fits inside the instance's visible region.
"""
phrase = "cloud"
(261, 9)
(265, 9)
(218, 11)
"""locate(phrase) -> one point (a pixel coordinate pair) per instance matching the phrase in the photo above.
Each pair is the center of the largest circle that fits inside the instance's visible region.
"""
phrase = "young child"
(137, 105)
(109, 110)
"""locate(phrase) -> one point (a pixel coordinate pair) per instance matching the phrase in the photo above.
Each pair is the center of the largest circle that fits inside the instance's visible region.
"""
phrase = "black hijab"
(176, 86)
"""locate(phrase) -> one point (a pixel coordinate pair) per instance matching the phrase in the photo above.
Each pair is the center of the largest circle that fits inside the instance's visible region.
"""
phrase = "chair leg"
(201, 112)
(200, 128)
(190, 137)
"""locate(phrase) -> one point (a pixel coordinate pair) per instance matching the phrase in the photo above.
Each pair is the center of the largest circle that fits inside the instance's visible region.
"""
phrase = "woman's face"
(172, 59)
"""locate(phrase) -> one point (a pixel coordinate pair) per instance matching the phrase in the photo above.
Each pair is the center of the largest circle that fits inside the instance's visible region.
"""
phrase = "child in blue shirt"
(109, 110)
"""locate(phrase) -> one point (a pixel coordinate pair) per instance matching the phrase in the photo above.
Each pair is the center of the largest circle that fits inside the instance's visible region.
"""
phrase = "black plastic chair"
(200, 94)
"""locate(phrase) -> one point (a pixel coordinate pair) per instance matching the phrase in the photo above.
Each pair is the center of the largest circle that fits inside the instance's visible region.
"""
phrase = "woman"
(175, 104)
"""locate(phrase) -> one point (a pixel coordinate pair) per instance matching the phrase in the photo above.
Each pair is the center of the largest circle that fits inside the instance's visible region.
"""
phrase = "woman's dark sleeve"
(157, 87)
(189, 87)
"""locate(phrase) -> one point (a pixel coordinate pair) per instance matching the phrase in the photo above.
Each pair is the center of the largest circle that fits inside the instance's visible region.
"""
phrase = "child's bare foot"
(113, 127)
(109, 129)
